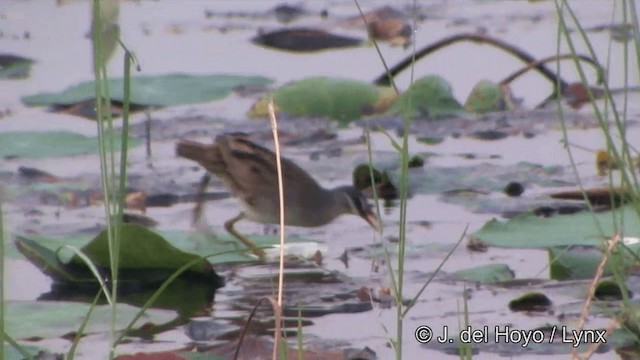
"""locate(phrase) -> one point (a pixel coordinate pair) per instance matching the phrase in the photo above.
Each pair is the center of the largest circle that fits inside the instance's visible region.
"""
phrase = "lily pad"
(145, 256)
(384, 187)
(533, 301)
(156, 90)
(11, 353)
(141, 248)
(304, 40)
(14, 67)
(608, 290)
(486, 274)
(341, 99)
(429, 98)
(583, 228)
(50, 144)
(485, 97)
(582, 263)
(50, 319)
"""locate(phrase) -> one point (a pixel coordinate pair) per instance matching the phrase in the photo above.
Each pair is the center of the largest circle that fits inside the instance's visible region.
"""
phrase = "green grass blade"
(15, 345)
(92, 267)
(80, 332)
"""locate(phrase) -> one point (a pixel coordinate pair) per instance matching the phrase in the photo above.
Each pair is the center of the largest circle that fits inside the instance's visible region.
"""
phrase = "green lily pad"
(157, 90)
(530, 231)
(141, 248)
(384, 187)
(532, 301)
(200, 356)
(430, 98)
(14, 67)
(190, 242)
(430, 140)
(486, 274)
(50, 144)
(485, 97)
(50, 319)
(341, 99)
(10, 353)
(610, 290)
(46, 260)
(304, 40)
(621, 337)
(582, 263)
(229, 248)
(145, 256)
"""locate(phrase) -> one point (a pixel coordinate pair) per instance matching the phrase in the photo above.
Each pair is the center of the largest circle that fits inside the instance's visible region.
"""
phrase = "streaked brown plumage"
(250, 173)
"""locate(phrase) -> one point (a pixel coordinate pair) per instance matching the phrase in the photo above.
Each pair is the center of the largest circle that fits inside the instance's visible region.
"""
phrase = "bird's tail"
(207, 155)
(191, 150)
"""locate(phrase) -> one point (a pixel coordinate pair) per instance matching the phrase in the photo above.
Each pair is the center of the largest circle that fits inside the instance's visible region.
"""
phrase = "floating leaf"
(304, 40)
(186, 245)
(50, 319)
(341, 99)
(429, 97)
(384, 187)
(158, 90)
(141, 248)
(583, 228)
(145, 257)
(50, 144)
(486, 274)
(388, 24)
(485, 96)
(46, 260)
(582, 262)
(12, 354)
(532, 301)
(286, 13)
(14, 67)
(384, 23)
(608, 290)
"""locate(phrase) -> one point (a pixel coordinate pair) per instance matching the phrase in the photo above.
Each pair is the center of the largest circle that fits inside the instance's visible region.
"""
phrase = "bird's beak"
(372, 219)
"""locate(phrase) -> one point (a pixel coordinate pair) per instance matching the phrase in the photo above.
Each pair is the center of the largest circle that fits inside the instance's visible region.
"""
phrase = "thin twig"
(525, 57)
(594, 347)
(277, 314)
(274, 128)
(536, 64)
(592, 289)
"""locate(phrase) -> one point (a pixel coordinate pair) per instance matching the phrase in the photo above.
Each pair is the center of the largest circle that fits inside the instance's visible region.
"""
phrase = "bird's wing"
(252, 171)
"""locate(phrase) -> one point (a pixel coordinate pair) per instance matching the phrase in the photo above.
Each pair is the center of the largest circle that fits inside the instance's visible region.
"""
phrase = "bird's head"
(354, 202)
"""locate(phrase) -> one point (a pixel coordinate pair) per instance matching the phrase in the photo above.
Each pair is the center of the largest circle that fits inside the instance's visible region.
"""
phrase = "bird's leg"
(202, 188)
(228, 225)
